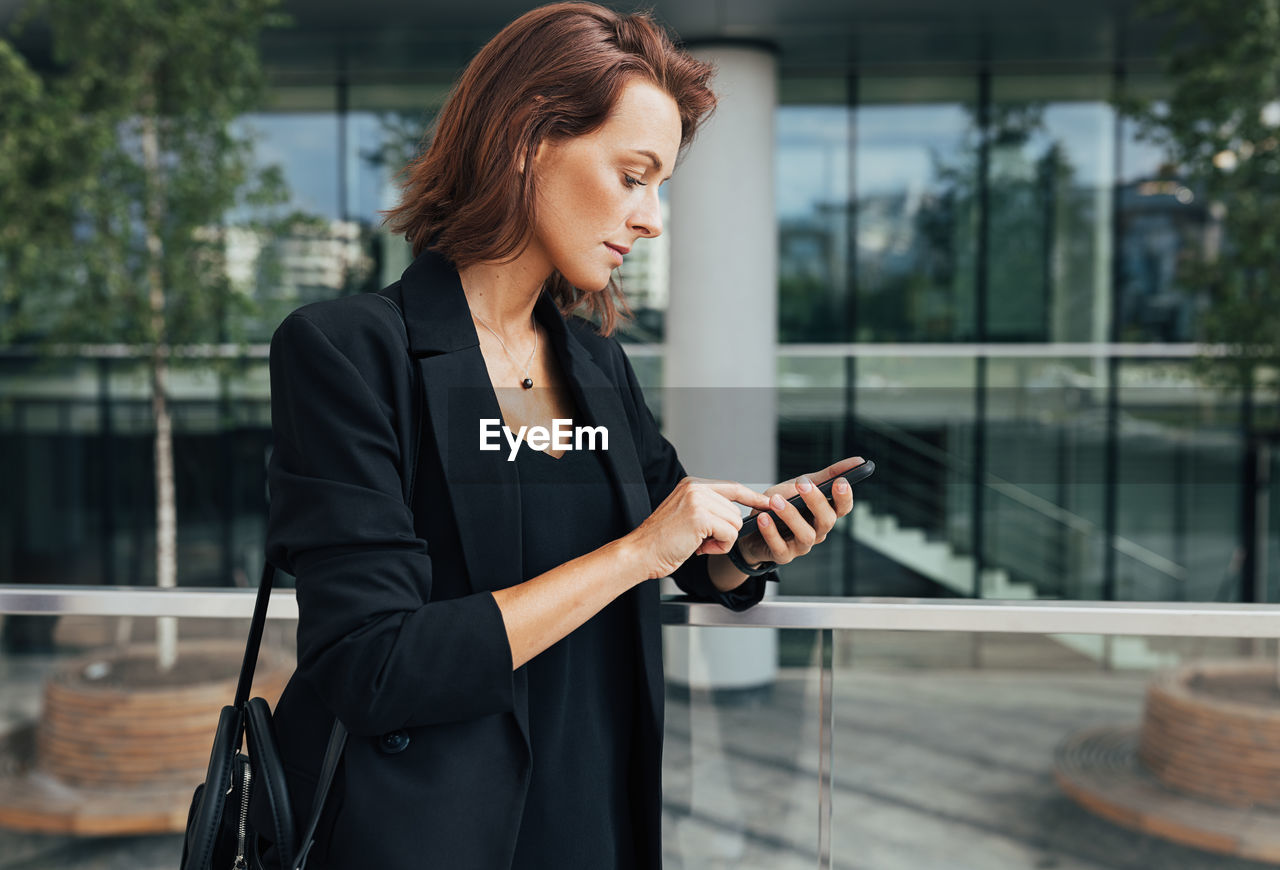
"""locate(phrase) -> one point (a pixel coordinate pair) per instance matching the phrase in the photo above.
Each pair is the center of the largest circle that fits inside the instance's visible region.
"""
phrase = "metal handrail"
(1156, 619)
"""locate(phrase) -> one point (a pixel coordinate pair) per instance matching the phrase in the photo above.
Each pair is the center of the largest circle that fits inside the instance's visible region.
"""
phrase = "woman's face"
(598, 193)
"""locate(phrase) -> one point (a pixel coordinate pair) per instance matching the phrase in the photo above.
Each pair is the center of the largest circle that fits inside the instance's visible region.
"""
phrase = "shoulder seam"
(404, 329)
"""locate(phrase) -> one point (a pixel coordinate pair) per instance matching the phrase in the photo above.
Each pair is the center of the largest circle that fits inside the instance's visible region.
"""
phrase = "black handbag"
(220, 834)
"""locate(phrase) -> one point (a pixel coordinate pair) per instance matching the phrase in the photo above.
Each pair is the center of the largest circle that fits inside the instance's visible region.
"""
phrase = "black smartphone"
(853, 475)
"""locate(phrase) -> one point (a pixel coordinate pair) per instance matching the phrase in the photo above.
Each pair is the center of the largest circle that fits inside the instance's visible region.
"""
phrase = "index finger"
(836, 469)
(740, 493)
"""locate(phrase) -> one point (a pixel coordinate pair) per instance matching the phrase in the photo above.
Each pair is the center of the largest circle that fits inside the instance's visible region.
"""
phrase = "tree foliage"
(1219, 126)
(92, 220)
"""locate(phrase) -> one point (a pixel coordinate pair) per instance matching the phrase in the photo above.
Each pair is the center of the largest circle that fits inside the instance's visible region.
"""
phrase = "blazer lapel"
(483, 485)
(599, 403)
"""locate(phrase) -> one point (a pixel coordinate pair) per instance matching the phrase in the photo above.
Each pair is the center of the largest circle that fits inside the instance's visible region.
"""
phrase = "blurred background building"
(977, 283)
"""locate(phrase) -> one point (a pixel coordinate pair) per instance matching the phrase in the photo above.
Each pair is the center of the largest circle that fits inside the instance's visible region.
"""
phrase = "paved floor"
(929, 773)
(938, 764)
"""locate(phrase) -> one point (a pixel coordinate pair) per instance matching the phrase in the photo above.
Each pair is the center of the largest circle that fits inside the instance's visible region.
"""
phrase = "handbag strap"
(337, 741)
(255, 636)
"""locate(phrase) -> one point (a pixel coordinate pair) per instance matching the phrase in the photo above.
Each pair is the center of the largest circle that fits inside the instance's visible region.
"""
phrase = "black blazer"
(398, 633)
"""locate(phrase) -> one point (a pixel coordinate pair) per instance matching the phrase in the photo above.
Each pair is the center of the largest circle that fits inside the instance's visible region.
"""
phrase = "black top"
(582, 700)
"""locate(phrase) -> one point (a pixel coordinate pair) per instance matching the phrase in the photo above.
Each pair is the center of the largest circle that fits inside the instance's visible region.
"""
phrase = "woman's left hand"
(768, 545)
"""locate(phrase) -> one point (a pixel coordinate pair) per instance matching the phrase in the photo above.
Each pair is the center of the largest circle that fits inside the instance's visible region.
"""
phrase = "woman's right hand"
(699, 516)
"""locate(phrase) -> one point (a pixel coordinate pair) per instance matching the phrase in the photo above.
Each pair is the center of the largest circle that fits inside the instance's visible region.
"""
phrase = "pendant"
(527, 383)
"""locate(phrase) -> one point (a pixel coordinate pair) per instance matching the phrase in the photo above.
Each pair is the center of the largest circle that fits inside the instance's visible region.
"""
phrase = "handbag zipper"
(240, 863)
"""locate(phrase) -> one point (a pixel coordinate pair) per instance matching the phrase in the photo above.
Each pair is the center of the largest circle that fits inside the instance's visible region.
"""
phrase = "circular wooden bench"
(1203, 767)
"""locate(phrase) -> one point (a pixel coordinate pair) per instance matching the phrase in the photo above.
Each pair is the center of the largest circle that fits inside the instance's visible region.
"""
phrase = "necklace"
(527, 383)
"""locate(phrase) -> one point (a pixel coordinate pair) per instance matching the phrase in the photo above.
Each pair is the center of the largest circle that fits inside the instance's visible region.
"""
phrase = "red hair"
(554, 72)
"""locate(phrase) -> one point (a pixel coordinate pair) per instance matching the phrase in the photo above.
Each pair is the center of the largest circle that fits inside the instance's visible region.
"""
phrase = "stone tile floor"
(943, 759)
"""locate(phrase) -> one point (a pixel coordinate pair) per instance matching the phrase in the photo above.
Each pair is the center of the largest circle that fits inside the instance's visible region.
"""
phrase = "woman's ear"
(537, 155)
(516, 127)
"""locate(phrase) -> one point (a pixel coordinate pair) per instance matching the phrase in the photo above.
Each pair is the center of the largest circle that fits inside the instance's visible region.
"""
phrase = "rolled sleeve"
(371, 641)
(662, 471)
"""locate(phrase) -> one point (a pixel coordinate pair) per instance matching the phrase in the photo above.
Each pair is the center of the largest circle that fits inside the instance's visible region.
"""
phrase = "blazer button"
(394, 741)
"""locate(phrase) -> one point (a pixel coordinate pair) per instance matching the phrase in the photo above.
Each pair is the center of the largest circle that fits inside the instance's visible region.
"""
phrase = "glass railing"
(892, 733)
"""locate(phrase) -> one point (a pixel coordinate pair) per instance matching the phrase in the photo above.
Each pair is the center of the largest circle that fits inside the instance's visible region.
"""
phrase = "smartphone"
(853, 475)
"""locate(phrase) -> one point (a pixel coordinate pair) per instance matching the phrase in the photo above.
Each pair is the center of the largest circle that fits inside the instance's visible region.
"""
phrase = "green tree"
(119, 166)
(1219, 126)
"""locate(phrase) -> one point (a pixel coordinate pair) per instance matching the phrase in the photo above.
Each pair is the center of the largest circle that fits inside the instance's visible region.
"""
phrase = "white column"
(719, 405)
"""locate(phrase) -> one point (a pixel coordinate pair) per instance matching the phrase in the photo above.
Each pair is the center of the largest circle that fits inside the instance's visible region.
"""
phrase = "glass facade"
(1020, 219)
(979, 206)
(916, 212)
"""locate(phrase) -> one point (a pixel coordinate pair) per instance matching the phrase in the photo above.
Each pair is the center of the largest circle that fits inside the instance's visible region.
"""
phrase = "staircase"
(935, 560)
(938, 562)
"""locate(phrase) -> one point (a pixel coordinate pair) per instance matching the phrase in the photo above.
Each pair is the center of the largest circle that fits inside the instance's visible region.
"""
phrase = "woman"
(486, 626)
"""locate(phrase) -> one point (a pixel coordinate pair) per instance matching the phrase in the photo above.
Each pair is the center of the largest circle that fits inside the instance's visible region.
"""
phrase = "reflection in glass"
(813, 207)
(915, 182)
(77, 458)
(1163, 219)
(1049, 266)
(305, 249)
(379, 144)
(1179, 490)
(1043, 496)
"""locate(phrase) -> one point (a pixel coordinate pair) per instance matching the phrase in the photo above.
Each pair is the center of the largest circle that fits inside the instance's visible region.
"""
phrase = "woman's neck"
(503, 295)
